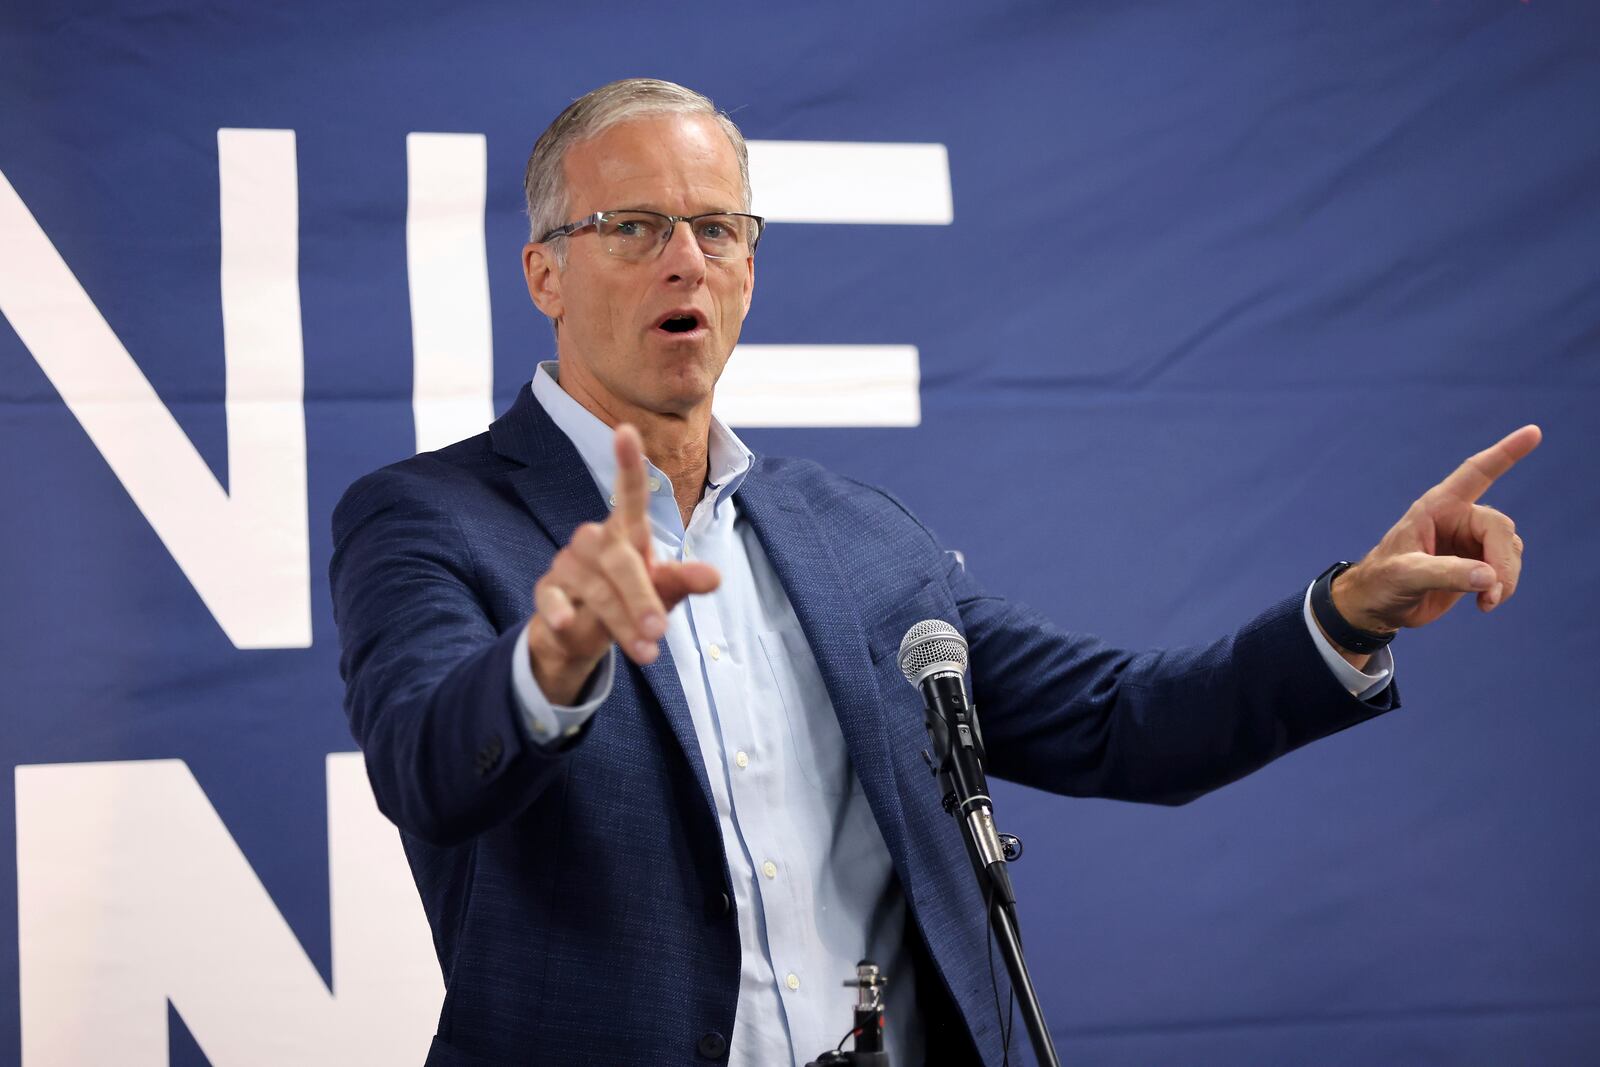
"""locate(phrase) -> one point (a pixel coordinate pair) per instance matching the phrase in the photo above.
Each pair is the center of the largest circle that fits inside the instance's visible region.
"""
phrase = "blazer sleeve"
(1070, 714)
(428, 678)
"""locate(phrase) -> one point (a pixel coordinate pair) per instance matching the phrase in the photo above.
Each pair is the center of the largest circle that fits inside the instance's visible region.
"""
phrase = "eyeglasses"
(643, 234)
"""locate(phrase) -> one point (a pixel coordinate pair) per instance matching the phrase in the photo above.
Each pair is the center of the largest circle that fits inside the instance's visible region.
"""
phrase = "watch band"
(1339, 631)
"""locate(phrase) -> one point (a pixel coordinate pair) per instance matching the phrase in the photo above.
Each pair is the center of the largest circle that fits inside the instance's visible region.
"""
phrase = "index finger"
(1474, 477)
(632, 489)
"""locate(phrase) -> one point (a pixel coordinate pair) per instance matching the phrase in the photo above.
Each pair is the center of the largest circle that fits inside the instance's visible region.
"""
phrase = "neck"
(676, 443)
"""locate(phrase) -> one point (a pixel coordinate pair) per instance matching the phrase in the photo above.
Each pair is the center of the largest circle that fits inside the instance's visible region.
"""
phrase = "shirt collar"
(728, 460)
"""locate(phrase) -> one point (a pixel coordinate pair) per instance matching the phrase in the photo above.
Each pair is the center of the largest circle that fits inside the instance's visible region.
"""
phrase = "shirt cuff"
(1363, 685)
(548, 723)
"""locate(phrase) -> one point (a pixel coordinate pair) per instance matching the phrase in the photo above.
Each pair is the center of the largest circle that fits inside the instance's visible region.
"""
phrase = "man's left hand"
(1445, 546)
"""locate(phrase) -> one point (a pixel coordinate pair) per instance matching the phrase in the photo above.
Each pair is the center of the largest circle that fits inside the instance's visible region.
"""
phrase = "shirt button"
(612, 500)
(793, 981)
(655, 484)
(769, 869)
(742, 758)
(716, 652)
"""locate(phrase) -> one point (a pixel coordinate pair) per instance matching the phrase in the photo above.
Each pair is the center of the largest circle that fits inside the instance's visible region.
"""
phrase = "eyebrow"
(658, 211)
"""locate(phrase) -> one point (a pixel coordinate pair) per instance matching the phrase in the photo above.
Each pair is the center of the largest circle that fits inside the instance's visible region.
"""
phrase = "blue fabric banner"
(1153, 309)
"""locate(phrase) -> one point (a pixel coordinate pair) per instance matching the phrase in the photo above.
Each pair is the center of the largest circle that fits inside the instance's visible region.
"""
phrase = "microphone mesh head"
(931, 645)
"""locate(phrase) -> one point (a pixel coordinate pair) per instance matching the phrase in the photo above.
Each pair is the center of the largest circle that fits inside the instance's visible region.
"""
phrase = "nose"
(682, 258)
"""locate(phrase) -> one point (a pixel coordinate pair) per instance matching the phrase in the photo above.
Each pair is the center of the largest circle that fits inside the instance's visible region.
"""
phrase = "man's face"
(609, 310)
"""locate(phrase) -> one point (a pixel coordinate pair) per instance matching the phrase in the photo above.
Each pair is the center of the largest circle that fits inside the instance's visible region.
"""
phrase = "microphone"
(933, 658)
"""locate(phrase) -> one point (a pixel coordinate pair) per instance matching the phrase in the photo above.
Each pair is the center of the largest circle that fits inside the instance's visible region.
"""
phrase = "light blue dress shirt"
(813, 886)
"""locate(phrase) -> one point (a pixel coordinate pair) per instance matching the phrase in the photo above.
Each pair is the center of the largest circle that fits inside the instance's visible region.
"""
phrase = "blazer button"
(718, 905)
(712, 1045)
(489, 756)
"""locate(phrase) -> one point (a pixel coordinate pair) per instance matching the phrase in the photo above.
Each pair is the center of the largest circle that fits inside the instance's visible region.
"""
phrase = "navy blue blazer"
(579, 899)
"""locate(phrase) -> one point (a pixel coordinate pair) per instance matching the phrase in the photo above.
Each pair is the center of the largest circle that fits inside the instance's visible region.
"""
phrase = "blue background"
(1228, 285)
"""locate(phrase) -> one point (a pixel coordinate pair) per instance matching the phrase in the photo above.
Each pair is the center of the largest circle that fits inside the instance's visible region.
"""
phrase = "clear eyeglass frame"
(641, 234)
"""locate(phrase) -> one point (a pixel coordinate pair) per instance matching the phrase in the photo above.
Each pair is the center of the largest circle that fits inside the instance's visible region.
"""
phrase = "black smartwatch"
(1339, 631)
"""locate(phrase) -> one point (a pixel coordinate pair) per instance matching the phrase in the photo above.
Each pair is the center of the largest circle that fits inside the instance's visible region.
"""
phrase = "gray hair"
(545, 181)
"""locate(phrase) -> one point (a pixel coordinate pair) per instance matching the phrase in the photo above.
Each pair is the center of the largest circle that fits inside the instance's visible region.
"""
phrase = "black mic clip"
(869, 983)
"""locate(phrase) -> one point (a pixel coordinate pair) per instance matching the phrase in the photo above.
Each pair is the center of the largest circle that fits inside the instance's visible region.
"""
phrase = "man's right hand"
(606, 586)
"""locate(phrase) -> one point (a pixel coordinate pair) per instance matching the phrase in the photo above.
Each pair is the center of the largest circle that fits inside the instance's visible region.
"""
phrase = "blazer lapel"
(800, 555)
(556, 487)
(553, 482)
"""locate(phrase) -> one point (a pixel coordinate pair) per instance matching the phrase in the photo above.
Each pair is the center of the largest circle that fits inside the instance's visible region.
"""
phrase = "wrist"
(1358, 660)
(1346, 590)
(559, 677)
(1335, 603)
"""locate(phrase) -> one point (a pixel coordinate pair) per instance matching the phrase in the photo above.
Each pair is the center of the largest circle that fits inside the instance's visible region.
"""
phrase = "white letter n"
(245, 551)
(131, 893)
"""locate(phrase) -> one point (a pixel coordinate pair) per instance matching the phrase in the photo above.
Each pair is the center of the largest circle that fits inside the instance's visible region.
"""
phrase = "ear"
(749, 282)
(543, 276)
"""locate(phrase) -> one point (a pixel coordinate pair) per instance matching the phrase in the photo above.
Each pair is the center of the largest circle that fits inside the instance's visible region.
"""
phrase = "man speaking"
(630, 692)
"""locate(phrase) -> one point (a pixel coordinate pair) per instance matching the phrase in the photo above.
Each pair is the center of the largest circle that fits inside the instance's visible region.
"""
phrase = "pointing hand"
(606, 586)
(1445, 546)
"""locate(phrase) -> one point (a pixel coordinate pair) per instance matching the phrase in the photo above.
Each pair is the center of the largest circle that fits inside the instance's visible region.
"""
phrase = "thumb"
(1422, 573)
(674, 581)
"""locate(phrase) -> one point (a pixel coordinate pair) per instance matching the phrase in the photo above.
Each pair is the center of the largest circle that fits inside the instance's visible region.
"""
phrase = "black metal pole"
(958, 763)
(1005, 933)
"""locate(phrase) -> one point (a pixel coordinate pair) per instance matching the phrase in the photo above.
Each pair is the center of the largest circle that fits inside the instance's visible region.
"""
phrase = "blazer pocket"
(930, 601)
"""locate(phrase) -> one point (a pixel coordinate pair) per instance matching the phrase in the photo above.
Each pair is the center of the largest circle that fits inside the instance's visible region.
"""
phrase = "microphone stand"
(957, 762)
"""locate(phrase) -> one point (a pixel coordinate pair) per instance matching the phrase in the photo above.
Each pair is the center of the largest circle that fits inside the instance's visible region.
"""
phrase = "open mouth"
(680, 322)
